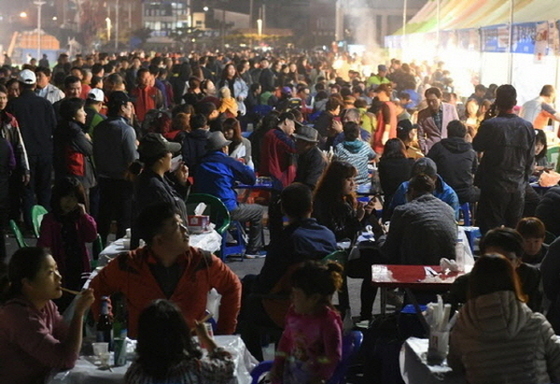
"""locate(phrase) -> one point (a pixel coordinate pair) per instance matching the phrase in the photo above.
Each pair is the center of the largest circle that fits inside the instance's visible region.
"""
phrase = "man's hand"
(182, 174)
(25, 178)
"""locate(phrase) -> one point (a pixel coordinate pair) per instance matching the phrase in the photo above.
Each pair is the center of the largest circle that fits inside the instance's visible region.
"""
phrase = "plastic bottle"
(460, 254)
(120, 332)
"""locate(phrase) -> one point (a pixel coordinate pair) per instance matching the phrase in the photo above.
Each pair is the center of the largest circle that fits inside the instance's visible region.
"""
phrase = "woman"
(153, 185)
(394, 169)
(238, 88)
(355, 151)
(497, 338)
(541, 161)
(335, 205)
(34, 339)
(194, 93)
(240, 147)
(72, 147)
(168, 354)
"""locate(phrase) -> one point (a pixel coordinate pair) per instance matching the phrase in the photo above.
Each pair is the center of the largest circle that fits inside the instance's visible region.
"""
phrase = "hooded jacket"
(456, 163)
(498, 339)
(358, 153)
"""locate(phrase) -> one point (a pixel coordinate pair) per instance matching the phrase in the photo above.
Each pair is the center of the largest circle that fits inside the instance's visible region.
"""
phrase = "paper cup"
(437, 350)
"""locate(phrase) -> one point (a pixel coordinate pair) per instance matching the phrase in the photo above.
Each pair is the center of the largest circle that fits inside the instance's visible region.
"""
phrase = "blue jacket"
(443, 192)
(217, 174)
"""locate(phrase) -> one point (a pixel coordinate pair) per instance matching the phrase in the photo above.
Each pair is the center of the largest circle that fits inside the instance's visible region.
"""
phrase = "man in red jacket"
(146, 95)
(167, 267)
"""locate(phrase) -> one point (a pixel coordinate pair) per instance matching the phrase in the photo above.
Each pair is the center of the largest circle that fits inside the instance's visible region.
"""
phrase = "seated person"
(509, 243)
(167, 352)
(456, 162)
(533, 232)
(550, 269)
(167, 267)
(355, 151)
(34, 339)
(217, 174)
(302, 239)
(497, 338)
(548, 210)
(423, 230)
(442, 190)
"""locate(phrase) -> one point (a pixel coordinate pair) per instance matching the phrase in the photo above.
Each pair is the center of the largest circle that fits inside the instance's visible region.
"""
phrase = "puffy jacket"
(456, 163)
(498, 339)
(548, 210)
(357, 153)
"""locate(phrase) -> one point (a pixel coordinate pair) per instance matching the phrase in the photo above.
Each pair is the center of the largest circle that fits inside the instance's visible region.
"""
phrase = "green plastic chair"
(17, 234)
(219, 215)
(552, 155)
(37, 213)
(339, 256)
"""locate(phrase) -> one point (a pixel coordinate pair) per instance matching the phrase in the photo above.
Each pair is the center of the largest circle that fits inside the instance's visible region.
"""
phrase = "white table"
(86, 372)
(415, 369)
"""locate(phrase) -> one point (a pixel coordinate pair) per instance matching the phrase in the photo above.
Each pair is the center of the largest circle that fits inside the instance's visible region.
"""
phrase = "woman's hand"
(85, 300)
(370, 206)
(182, 173)
(82, 209)
(360, 211)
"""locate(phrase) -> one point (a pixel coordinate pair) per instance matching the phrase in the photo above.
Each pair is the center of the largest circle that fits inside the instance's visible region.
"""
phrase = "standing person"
(45, 88)
(72, 88)
(34, 339)
(94, 104)
(168, 353)
(386, 119)
(231, 79)
(433, 120)
(36, 118)
(311, 344)
(311, 162)
(508, 144)
(7, 166)
(266, 78)
(146, 96)
(114, 148)
(328, 123)
(539, 110)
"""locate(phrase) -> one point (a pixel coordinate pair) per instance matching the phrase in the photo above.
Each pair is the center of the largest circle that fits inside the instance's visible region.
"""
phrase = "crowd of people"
(110, 129)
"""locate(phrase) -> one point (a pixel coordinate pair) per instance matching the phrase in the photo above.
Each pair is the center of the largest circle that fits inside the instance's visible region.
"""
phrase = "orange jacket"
(145, 99)
(130, 274)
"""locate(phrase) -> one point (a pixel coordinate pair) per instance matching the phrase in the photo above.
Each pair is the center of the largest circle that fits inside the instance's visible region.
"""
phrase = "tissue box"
(198, 223)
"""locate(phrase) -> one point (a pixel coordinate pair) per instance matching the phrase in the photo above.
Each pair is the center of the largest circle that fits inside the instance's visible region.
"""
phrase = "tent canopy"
(462, 14)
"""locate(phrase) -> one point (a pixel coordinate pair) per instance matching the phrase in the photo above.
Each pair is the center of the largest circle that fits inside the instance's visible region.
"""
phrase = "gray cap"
(216, 141)
(426, 166)
(307, 133)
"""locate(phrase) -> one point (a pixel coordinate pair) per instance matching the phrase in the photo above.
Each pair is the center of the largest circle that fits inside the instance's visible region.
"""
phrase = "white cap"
(27, 76)
(96, 94)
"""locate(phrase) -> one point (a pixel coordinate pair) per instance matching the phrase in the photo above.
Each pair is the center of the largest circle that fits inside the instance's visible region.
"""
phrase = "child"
(533, 232)
(65, 231)
(311, 345)
(228, 104)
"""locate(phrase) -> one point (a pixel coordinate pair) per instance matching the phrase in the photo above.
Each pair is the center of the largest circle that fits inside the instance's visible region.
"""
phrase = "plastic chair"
(37, 213)
(219, 215)
(341, 257)
(17, 234)
(351, 343)
(552, 154)
(465, 210)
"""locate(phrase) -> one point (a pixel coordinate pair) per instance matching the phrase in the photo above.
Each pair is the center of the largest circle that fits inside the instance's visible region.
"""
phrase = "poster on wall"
(553, 37)
(495, 38)
(523, 38)
(541, 42)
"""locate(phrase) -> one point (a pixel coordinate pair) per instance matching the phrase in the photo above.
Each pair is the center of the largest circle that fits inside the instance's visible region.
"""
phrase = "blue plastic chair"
(351, 343)
(465, 209)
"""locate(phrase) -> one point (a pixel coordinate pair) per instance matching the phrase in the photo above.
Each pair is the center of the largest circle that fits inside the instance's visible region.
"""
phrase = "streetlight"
(39, 4)
(108, 21)
(23, 15)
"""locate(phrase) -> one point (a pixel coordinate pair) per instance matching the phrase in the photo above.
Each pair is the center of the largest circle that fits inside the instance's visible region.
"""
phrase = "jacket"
(508, 143)
(428, 132)
(357, 153)
(278, 158)
(456, 163)
(217, 174)
(114, 147)
(130, 274)
(72, 153)
(443, 192)
(310, 167)
(392, 173)
(240, 91)
(498, 339)
(11, 132)
(37, 122)
(51, 93)
(145, 99)
(548, 210)
(421, 233)
(194, 147)
(550, 272)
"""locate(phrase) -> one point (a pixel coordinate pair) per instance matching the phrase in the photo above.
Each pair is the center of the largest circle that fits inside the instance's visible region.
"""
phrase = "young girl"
(311, 345)
(65, 231)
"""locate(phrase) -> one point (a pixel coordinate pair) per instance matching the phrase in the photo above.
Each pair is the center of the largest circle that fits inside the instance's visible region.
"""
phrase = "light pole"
(39, 4)
(117, 27)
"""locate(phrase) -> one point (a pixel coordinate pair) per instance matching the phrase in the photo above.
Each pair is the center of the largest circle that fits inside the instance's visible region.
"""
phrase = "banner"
(494, 38)
(523, 38)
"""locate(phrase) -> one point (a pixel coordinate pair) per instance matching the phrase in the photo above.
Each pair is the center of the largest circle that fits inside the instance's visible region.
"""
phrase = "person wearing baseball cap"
(375, 81)
(94, 103)
(217, 175)
(114, 149)
(311, 162)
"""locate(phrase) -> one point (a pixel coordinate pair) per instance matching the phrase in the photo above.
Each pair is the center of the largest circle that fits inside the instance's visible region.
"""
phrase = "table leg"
(383, 298)
(419, 314)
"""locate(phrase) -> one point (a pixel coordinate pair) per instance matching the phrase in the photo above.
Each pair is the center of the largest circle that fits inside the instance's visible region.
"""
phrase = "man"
(457, 162)
(475, 100)
(194, 142)
(432, 121)
(353, 115)
(44, 62)
(145, 94)
(114, 149)
(326, 124)
(168, 268)
(302, 239)
(381, 77)
(311, 162)
(72, 88)
(386, 119)
(538, 111)
(37, 122)
(217, 175)
(442, 191)
(94, 103)
(267, 78)
(508, 144)
(45, 88)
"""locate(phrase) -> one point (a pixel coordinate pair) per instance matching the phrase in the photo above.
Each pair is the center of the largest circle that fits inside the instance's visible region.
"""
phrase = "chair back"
(465, 210)
(37, 213)
(219, 214)
(340, 256)
(17, 234)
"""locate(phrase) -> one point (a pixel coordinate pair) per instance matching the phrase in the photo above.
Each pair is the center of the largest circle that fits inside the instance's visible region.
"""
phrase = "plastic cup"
(101, 352)
(120, 351)
(438, 345)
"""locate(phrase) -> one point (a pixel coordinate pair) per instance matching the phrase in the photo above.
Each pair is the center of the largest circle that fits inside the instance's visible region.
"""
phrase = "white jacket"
(499, 340)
